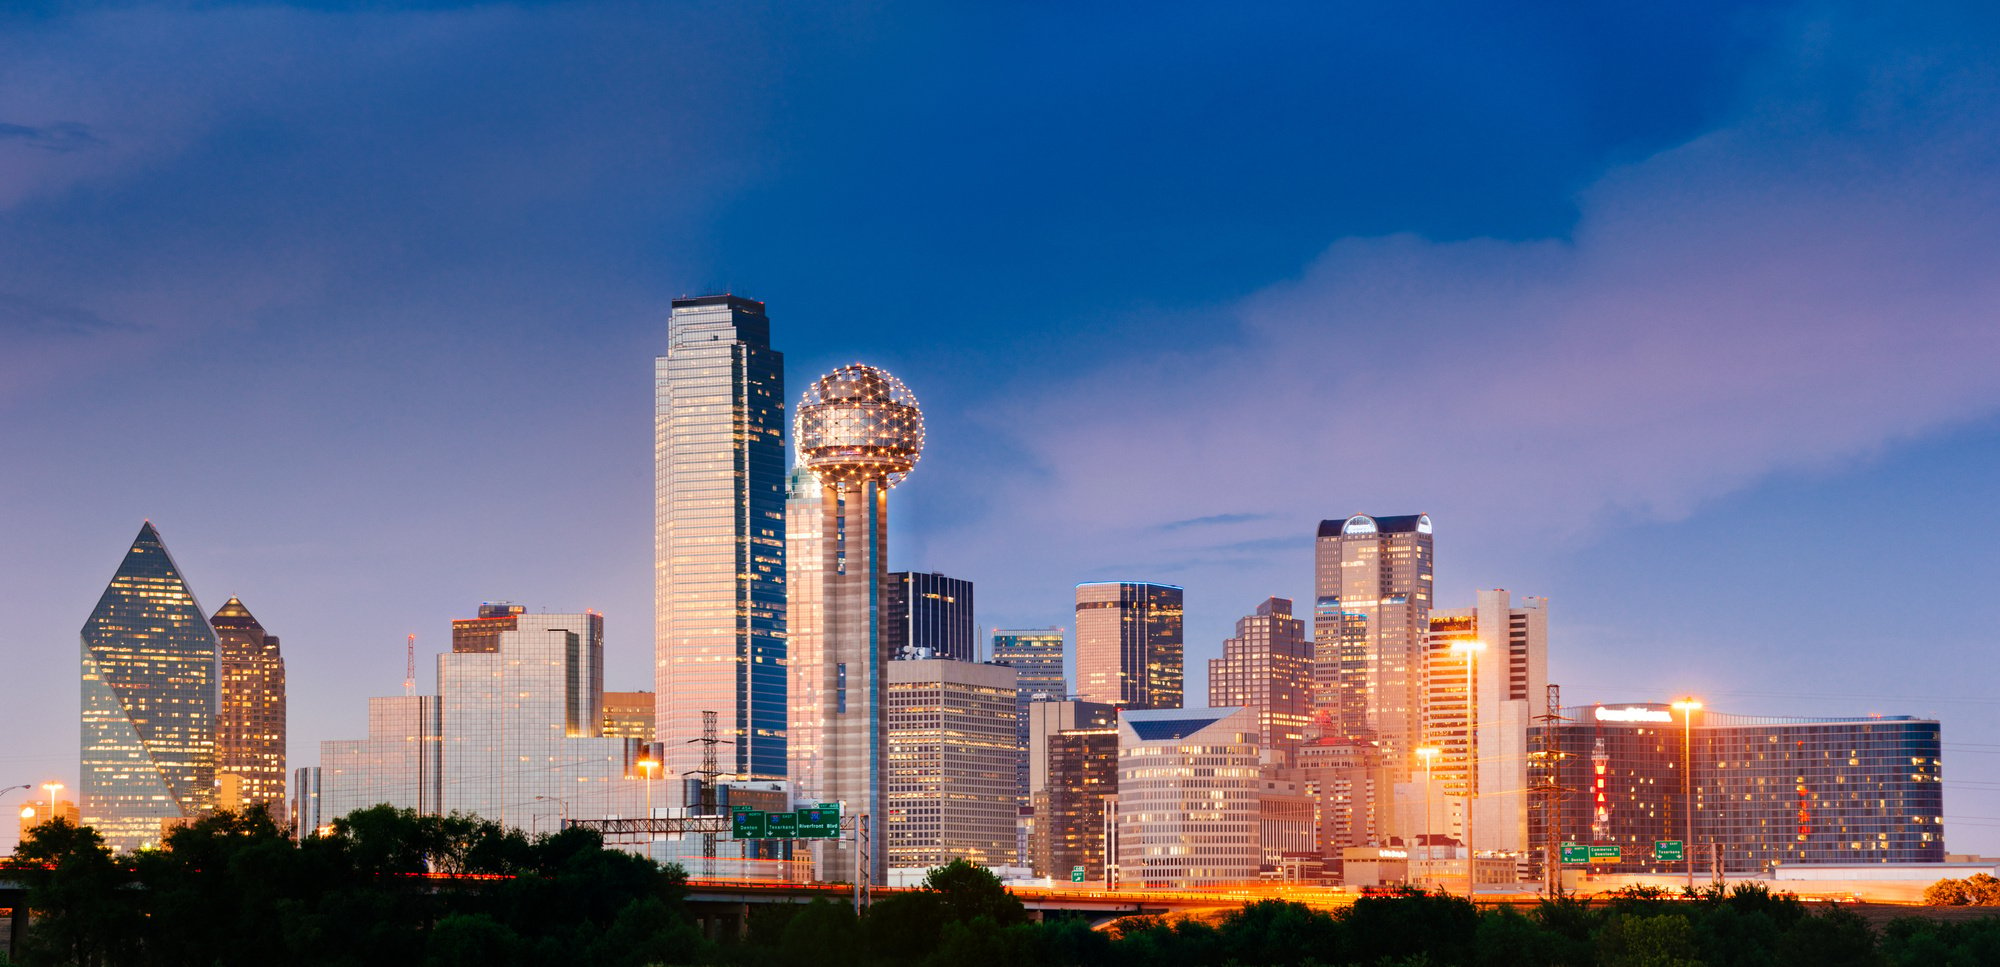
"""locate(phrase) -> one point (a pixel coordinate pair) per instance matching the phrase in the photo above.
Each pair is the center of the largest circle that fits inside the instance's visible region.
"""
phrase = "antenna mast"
(410, 666)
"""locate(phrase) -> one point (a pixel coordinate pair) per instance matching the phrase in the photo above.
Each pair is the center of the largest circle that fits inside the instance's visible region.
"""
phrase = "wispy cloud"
(60, 137)
(1213, 520)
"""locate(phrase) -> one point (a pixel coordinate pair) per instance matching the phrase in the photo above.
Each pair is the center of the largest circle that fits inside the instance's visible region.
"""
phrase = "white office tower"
(951, 764)
(1189, 795)
(1504, 651)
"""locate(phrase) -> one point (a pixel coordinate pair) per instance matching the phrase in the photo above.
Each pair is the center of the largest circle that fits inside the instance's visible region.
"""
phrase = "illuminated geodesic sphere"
(859, 423)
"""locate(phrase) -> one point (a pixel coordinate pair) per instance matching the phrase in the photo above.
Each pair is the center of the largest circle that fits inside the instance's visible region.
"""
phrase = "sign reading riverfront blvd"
(812, 822)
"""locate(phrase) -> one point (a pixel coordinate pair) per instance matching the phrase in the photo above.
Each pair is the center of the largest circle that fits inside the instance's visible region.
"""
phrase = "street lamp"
(649, 766)
(1428, 754)
(1687, 707)
(1470, 648)
(52, 787)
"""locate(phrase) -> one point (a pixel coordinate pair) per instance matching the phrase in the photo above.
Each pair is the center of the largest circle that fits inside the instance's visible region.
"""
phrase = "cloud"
(21, 314)
(1813, 282)
(60, 137)
(1212, 520)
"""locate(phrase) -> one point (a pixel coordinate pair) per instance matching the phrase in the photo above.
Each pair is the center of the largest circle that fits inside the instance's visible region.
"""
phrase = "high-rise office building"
(629, 715)
(1372, 578)
(719, 537)
(250, 723)
(522, 727)
(1505, 651)
(1346, 780)
(1128, 644)
(306, 817)
(1036, 655)
(859, 432)
(929, 616)
(1072, 806)
(1267, 668)
(950, 764)
(806, 556)
(1765, 790)
(1188, 797)
(400, 763)
(149, 701)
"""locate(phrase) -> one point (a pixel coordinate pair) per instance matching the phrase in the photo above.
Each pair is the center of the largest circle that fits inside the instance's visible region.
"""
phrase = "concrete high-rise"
(1371, 616)
(1128, 644)
(719, 537)
(1267, 668)
(929, 616)
(1505, 650)
(859, 433)
(1188, 797)
(149, 701)
(950, 765)
(1072, 780)
(806, 556)
(250, 722)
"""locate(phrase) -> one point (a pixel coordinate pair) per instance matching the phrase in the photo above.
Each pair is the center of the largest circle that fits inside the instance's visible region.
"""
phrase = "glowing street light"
(1429, 754)
(649, 766)
(1687, 707)
(52, 787)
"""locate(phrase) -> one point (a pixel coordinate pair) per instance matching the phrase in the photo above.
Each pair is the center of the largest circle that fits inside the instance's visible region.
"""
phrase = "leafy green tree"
(969, 891)
(83, 914)
(1392, 927)
(1831, 938)
(1642, 940)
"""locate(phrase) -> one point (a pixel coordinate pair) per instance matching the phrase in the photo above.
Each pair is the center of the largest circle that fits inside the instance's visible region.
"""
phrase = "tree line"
(389, 886)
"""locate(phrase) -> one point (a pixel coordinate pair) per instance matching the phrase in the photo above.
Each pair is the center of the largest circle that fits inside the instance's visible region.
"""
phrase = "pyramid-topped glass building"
(149, 701)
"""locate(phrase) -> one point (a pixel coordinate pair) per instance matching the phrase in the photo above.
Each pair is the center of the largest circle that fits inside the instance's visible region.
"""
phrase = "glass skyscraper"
(929, 616)
(149, 701)
(1267, 668)
(1128, 644)
(1372, 578)
(719, 537)
(1036, 655)
(250, 729)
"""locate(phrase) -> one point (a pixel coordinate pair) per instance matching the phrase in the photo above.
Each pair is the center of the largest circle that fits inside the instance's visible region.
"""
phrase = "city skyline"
(1702, 300)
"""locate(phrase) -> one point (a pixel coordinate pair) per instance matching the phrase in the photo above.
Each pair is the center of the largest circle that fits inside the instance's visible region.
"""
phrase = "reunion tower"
(859, 432)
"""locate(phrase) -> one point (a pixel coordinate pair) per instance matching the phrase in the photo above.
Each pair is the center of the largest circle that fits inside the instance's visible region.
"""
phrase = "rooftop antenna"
(410, 666)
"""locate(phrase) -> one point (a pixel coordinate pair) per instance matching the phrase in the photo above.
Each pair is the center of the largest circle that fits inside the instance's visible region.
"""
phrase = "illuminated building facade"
(250, 722)
(1128, 644)
(1505, 649)
(719, 537)
(306, 817)
(1036, 655)
(1345, 779)
(1267, 668)
(929, 616)
(399, 763)
(859, 433)
(806, 556)
(38, 811)
(951, 763)
(149, 701)
(629, 715)
(1188, 797)
(1767, 791)
(1077, 784)
(1372, 578)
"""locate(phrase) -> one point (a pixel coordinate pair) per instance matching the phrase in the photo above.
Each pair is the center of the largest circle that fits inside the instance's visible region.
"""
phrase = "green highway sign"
(1076, 874)
(1575, 853)
(748, 824)
(781, 825)
(817, 822)
(1669, 851)
(1605, 854)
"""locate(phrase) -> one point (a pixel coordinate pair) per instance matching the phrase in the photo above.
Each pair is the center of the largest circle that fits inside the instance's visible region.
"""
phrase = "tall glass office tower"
(149, 701)
(1128, 644)
(250, 728)
(1371, 620)
(719, 537)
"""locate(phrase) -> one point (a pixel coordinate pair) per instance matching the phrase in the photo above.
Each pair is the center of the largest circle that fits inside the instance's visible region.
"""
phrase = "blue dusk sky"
(1687, 318)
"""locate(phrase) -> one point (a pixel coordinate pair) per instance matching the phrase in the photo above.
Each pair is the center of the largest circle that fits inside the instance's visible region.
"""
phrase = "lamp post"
(52, 787)
(1428, 754)
(649, 766)
(1470, 648)
(1687, 707)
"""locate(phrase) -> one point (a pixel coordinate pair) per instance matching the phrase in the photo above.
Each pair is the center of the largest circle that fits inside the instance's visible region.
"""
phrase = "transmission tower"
(1548, 792)
(708, 772)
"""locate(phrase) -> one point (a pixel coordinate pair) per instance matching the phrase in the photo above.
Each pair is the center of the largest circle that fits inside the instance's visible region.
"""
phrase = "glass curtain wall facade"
(719, 537)
(1267, 668)
(149, 701)
(1372, 581)
(1036, 655)
(250, 724)
(1766, 790)
(1128, 644)
(399, 763)
(929, 616)
(807, 556)
(1081, 781)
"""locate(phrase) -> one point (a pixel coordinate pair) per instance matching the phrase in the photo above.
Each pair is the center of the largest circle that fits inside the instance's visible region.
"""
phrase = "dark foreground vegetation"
(391, 887)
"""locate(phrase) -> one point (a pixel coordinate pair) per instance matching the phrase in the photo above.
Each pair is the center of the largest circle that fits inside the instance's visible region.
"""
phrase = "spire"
(233, 614)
